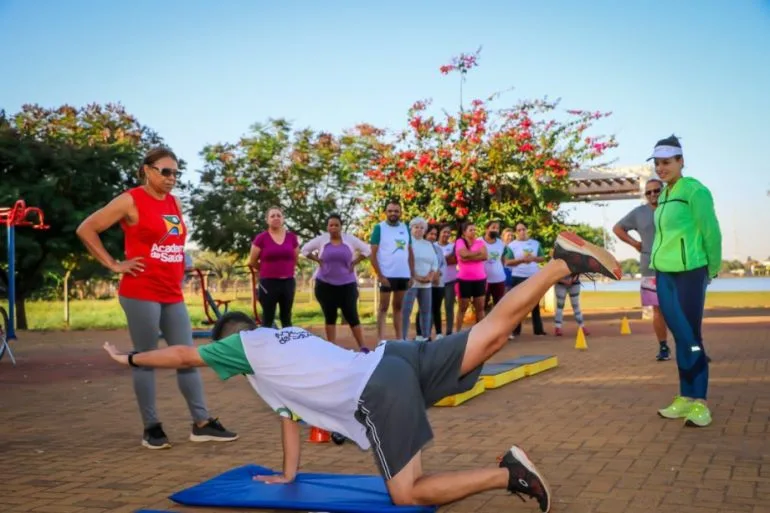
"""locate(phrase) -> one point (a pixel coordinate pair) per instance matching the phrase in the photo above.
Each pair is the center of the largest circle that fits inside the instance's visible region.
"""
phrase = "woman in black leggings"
(335, 281)
(274, 254)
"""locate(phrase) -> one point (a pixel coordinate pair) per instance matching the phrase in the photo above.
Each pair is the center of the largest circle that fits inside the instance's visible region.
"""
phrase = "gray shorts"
(410, 378)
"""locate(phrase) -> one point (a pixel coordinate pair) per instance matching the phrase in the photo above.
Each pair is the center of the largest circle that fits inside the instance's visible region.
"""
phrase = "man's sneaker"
(523, 478)
(583, 257)
(155, 438)
(677, 409)
(213, 431)
(664, 354)
(698, 416)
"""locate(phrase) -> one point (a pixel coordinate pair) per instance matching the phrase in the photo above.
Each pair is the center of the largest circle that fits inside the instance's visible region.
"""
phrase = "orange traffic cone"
(319, 436)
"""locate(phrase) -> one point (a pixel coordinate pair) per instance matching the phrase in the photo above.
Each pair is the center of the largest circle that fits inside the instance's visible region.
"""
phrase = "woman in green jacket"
(686, 254)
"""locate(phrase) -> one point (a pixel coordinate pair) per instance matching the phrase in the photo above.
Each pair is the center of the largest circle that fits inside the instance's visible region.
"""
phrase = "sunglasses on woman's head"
(168, 171)
(651, 192)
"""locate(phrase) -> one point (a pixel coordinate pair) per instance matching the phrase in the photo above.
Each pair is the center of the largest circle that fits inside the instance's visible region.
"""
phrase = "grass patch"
(107, 314)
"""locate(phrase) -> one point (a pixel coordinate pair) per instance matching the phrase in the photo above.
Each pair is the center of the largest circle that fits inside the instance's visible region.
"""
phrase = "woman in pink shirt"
(274, 254)
(471, 253)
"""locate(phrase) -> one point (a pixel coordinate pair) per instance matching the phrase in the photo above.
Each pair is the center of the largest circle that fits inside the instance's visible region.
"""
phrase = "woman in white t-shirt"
(425, 269)
(494, 265)
(450, 276)
(437, 287)
(524, 255)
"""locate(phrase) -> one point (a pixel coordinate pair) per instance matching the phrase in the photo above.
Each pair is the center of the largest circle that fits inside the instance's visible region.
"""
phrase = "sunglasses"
(651, 192)
(168, 171)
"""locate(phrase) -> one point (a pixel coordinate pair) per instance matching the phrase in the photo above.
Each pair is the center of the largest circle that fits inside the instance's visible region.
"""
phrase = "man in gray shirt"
(642, 220)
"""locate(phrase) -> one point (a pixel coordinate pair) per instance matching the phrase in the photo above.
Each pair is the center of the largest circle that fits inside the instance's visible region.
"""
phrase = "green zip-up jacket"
(687, 233)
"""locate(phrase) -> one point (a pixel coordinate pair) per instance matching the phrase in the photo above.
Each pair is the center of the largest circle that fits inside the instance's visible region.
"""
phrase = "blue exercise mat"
(335, 493)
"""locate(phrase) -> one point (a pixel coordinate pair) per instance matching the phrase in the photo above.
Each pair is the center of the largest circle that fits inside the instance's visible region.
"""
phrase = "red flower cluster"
(461, 63)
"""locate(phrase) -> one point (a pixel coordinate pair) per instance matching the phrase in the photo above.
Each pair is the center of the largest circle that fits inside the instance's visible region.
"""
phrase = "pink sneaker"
(585, 331)
(557, 332)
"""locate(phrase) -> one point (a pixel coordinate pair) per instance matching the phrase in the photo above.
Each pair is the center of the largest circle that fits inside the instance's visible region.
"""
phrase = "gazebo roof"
(605, 184)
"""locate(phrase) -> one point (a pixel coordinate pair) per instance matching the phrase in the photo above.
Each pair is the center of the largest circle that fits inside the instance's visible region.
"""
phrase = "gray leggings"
(145, 320)
(561, 300)
(424, 297)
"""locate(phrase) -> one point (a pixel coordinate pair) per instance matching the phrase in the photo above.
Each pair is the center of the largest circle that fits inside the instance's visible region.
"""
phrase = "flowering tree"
(511, 164)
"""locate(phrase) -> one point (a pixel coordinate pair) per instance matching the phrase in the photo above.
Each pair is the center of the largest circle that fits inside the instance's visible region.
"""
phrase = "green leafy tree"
(593, 234)
(69, 162)
(308, 174)
(731, 265)
(630, 266)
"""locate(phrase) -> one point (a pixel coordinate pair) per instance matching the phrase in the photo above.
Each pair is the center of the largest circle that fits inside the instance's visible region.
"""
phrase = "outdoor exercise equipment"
(3, 339)
(11, 217)
(214, 308)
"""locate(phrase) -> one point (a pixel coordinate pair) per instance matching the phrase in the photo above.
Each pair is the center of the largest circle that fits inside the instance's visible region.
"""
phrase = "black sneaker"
(523, 478)
(664, 354)
(213, 431)
(582, 257)
(155, 438)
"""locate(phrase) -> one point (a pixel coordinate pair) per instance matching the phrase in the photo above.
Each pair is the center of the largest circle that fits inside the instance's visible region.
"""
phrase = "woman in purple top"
(274, 254)
(336, 287)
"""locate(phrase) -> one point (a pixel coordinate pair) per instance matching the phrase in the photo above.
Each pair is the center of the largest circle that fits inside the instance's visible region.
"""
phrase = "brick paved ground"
(70, 433)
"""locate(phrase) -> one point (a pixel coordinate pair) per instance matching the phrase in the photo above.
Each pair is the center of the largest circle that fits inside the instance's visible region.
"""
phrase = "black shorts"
(396, 285)
(338, 297)
(472, 288)
(410, 378)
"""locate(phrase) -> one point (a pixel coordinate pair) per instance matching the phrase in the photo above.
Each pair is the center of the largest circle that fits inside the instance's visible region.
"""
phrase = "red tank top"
(159, 238)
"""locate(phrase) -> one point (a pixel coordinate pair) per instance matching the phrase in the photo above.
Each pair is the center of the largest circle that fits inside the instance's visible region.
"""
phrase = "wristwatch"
(131, 358)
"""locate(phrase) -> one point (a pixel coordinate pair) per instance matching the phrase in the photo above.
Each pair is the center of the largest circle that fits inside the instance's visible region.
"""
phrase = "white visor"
(665, 152)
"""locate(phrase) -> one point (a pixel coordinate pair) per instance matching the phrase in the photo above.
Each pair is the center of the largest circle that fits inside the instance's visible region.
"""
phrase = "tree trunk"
(21, 312)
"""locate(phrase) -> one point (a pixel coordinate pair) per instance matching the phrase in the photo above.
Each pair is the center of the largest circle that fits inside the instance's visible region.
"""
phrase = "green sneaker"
(698, 416)
(676, 410)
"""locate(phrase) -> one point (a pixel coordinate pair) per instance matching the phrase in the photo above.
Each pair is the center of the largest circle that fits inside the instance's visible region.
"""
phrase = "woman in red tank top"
(150, 289)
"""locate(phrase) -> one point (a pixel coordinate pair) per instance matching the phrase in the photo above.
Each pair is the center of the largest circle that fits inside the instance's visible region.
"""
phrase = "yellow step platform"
(458, 399)
(495, 375)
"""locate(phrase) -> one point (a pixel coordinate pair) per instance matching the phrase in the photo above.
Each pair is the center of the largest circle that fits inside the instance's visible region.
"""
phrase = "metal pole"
(11, 335)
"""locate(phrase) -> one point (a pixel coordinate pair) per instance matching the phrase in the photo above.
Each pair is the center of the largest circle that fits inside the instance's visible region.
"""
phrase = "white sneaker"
(420, 338)
(439, 336)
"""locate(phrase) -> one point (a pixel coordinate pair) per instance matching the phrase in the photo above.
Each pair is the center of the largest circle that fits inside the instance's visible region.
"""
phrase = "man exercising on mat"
(379, 399)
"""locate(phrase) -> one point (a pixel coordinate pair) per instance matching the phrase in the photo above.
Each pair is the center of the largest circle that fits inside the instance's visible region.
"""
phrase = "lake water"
(753, 284)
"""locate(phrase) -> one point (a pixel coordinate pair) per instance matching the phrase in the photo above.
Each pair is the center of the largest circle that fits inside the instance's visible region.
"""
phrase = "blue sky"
(202, 72)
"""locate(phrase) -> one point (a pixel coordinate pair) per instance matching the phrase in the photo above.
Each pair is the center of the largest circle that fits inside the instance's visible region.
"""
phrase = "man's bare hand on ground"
(276, 479)
(115, 354)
